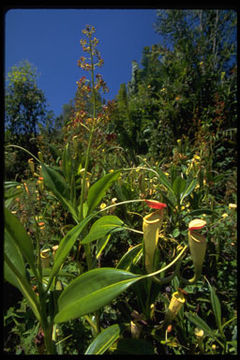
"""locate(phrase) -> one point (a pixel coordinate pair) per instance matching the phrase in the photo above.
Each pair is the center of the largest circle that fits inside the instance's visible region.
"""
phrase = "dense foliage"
(99, 271)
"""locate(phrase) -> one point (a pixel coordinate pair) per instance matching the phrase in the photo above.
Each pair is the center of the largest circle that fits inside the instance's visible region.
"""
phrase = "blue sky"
(50, 40)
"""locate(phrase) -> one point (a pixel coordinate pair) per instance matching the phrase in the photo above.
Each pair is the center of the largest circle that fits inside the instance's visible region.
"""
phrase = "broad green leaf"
(103, 227)
(96, 288)
(189, 188)
(66, 245)
(216, 306)
(25, 288)
(13, 252)
(104, 340)
(56, 183)
(91, 291)
(16, 231)
(98, 190)
(200, 323)
(178, 186)
(130, 257)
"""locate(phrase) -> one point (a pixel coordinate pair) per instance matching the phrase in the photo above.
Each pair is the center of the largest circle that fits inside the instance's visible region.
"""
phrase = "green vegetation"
(120, 232)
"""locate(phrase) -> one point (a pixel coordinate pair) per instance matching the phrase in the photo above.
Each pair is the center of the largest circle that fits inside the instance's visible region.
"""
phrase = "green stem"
(21, 148)
(92, 324)
(49, 344)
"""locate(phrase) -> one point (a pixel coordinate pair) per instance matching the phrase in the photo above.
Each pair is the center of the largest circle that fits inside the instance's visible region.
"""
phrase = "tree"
(25, 110)
(25, 103)
(187, 82)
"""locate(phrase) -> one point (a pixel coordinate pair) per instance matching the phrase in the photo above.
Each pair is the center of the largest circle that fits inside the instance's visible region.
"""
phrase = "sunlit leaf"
(102, 227)
(15, 230)
(98, 190)
(189, 188)
(91, 291)
(57, 184)
(104, 340)
(66, 245)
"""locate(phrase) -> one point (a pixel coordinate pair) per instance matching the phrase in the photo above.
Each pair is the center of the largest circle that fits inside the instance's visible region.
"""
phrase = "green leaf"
(12, 193)
(66, 245)
(67, 164)
(25, 288)
(102, 227)
(10, 184)
(98, 190)
(16, 231)
(101, 244)
(91, 291)
(104, 340)
(216, 306)
(176, 232)
(96, 288)
(56, 183)
(200, 323)
(10, 190)
(189, 188)
(13, 252)
(131, 257)
(164, 180)
(178, 186)
(200, 212)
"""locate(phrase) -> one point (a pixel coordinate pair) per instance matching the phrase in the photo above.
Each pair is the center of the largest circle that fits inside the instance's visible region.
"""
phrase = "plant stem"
(91, 132)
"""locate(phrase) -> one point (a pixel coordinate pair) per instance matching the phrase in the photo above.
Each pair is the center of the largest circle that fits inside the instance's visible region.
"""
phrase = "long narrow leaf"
(216, 306)
(66, 245)
(98, 190)
(16, 231)
(130, 257)
(67, 164)
(200, 323)
(101, 244)
(104, 340)
(189, 188)
(164, 180)
(198, 212)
